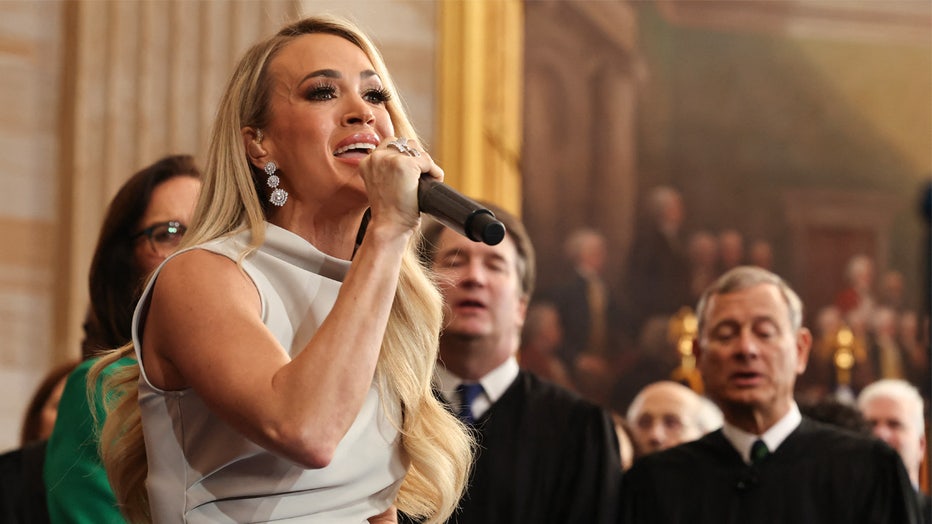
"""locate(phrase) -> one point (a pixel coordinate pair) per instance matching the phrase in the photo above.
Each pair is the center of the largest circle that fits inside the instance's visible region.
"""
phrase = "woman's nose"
(359, 113)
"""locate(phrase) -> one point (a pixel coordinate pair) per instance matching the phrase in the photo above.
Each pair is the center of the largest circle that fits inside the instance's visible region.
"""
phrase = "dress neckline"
(294, 249)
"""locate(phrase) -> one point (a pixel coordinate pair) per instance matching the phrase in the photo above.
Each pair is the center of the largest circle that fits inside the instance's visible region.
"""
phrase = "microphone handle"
(458, 212)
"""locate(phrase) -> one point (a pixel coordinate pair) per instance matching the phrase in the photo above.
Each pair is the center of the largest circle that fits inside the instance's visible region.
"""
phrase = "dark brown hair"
(115, 279)
(30, 430)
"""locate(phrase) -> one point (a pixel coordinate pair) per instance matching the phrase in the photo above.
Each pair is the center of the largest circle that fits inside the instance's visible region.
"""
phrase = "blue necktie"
(467, 394)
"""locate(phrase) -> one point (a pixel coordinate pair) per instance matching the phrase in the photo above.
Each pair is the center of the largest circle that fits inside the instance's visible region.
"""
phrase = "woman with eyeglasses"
(284, 360)
(144, 224)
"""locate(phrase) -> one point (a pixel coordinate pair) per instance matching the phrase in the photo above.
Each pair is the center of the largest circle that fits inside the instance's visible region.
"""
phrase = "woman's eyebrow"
(327, 73)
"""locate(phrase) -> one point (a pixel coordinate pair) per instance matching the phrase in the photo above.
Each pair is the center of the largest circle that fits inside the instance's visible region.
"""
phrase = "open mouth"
(355, 150)
(470, 304)
(745, 377)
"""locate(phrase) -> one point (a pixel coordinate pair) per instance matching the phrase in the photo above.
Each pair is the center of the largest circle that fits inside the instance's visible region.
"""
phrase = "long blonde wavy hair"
(437, 445)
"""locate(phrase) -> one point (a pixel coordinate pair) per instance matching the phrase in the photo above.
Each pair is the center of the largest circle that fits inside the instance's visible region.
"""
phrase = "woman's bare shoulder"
(204, 276)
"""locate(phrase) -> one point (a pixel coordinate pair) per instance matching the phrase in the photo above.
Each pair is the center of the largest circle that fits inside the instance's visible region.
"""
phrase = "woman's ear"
(252, 140)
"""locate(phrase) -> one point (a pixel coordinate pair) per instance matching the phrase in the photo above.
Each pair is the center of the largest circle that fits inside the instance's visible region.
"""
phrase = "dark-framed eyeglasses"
(163, 237)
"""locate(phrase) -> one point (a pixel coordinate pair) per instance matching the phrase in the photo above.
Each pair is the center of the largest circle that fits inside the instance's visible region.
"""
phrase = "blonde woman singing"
(283, 368)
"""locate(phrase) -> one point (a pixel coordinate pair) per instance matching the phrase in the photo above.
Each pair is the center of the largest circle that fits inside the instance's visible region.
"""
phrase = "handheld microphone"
(458, 212)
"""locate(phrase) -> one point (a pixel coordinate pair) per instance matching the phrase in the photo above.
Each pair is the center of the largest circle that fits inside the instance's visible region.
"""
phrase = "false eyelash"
(323, 90)
(380, 94)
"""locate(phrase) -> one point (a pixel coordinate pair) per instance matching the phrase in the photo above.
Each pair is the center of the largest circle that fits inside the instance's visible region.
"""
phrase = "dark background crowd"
(609, 347)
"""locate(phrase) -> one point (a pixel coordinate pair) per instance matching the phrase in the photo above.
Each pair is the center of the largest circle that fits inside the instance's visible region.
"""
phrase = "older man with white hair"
(894, 409)
(666, 414)
(768, 463)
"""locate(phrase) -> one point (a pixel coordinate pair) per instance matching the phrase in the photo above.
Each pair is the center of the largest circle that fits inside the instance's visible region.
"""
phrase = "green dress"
(75, 481)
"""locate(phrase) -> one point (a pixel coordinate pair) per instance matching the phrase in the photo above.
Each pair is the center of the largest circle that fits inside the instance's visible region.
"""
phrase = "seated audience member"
(22, 493)
(665, 414)
(544, 454)
(894, 410)
(767, 463)
(144, 223)
(540, 340)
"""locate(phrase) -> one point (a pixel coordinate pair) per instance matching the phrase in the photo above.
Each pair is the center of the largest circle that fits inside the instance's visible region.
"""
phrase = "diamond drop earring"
(279, 195)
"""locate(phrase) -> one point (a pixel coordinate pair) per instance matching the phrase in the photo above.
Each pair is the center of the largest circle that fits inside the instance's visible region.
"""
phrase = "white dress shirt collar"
(494, 385)
(773, 437)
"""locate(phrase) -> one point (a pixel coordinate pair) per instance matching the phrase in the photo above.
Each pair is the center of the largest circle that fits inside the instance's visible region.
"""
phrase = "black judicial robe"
(819, 474)
(545, 456)
(925, 506)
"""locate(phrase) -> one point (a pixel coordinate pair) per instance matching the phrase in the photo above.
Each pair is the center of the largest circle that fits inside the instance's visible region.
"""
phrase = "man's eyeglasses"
(164, 237)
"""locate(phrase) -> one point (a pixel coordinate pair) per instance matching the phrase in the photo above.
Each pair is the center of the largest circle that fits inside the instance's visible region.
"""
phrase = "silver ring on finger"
(401, 144)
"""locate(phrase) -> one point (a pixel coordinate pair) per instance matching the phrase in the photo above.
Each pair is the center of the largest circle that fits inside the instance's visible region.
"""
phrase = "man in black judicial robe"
(767, 464)
(544, 455)
(819, 474)
(925, 507)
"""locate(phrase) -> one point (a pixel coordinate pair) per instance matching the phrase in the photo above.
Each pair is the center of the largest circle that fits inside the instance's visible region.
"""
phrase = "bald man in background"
(666, 413)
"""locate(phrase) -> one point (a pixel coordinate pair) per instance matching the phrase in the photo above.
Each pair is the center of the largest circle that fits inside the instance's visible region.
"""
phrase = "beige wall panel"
(29, 75)
(122, 93)
(27, 123)
(153, 86)
(31, 243)
(184, 97)
(215, 67)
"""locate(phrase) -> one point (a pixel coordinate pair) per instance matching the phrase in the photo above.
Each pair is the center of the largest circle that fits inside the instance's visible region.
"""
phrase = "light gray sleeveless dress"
(203, 471)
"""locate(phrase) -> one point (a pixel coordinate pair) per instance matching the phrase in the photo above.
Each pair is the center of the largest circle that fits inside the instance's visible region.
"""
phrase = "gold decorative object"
(683, 328)
(844, 357)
